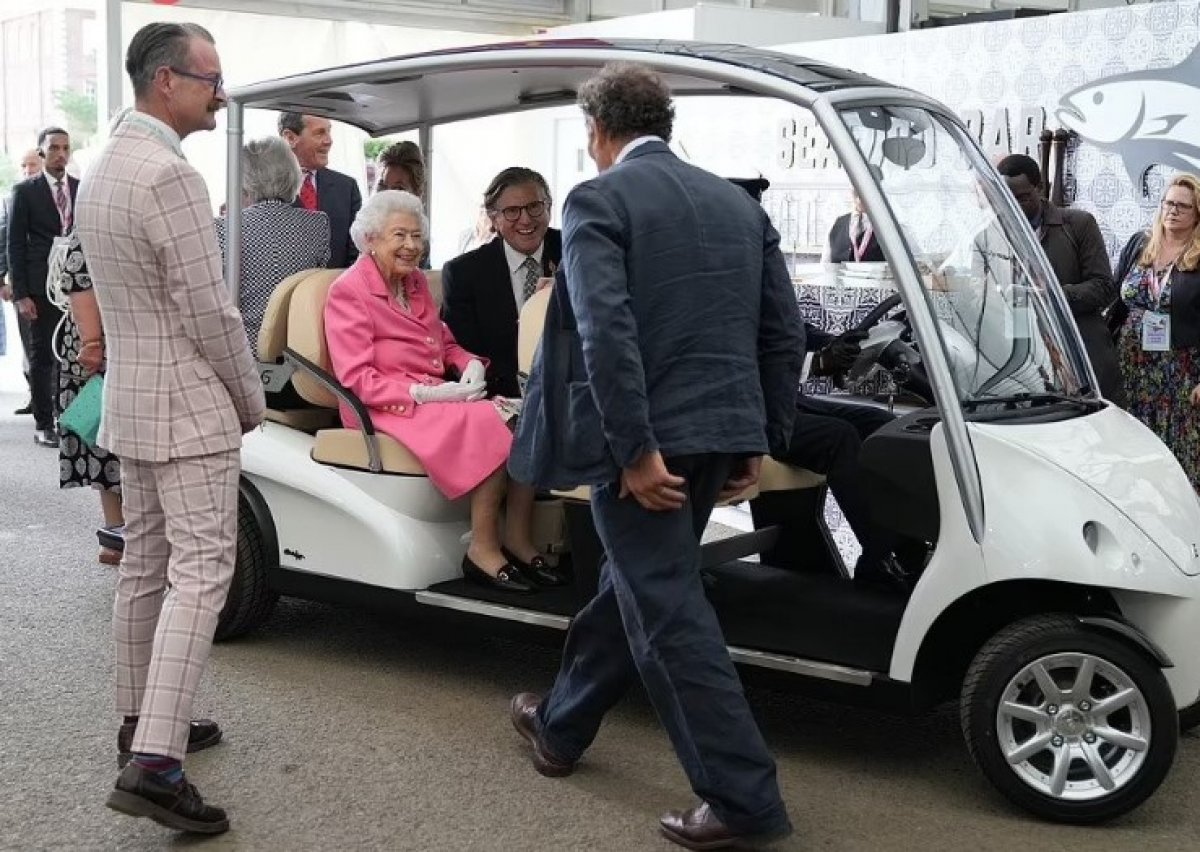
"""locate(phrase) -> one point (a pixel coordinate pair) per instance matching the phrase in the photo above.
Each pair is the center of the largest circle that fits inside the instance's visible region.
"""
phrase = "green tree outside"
(80, 111)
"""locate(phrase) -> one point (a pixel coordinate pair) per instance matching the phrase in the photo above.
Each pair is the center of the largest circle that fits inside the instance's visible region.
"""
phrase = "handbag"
(82, 416)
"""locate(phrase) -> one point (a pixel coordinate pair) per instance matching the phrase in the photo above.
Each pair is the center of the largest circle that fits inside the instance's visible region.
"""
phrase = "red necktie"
(308, 192)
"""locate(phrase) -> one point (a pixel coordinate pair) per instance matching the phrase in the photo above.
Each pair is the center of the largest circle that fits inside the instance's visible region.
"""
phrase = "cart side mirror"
(904, 151)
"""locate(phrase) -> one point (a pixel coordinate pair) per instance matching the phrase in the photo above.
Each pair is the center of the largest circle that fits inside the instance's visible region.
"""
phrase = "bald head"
(31, 163)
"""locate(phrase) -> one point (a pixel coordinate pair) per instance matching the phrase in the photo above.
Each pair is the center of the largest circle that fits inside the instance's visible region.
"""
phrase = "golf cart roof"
(402, 93)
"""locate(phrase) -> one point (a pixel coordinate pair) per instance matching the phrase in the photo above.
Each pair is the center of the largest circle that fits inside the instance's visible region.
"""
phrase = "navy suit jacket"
(479, 307)
(338, 197)
(673, 327)
(33, 223)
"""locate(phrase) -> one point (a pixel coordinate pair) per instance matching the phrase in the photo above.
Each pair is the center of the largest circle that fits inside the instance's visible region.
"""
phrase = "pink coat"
(379, 350)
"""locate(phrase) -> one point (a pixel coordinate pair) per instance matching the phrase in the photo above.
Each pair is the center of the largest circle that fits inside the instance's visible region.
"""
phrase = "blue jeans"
(650, 618)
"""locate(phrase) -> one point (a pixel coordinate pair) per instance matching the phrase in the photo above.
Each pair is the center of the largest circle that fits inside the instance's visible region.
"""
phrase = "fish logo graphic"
(1147, 117)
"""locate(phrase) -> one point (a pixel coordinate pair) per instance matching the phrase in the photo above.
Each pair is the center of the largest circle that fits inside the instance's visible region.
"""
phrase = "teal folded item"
(82, 416)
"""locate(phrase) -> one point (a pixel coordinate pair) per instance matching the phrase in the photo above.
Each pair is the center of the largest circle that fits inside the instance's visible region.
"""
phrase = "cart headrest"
(306, 332)
(529, 330)
(272, 335)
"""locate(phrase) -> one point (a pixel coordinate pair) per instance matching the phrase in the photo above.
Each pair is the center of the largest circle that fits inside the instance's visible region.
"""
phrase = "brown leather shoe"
(523, 712)
(699, 828)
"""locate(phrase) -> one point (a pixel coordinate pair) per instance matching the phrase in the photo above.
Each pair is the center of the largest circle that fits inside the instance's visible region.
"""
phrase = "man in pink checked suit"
(181, 388)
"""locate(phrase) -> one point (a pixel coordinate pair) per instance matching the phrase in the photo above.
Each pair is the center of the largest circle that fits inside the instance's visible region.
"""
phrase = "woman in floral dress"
(1159, 347)
(79, 346)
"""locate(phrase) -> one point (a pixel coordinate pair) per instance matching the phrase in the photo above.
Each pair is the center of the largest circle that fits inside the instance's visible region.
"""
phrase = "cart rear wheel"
(250, 598)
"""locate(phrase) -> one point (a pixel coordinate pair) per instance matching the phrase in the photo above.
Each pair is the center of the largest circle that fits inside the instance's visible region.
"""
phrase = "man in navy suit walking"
(691, 341)
(333, 193)
(43, 207)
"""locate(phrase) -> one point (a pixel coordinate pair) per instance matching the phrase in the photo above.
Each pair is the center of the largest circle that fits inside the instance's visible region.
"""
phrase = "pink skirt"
(460, 444)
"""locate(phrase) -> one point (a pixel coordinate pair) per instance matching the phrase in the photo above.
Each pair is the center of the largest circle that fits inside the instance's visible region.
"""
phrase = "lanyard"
(860, 248)
(1157, 283)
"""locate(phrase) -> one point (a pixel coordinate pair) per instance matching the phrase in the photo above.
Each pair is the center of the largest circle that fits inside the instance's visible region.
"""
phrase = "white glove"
(474, 375)
(446, 392)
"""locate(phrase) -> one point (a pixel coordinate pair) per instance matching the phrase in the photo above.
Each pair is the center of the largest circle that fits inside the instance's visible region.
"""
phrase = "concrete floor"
(347, 730)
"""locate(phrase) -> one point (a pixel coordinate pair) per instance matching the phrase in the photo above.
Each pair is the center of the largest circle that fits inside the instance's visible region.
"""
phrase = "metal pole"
(425, 143)
(233, 199)
(111, 81)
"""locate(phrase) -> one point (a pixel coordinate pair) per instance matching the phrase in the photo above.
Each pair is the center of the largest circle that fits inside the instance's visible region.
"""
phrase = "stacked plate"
(874, 273)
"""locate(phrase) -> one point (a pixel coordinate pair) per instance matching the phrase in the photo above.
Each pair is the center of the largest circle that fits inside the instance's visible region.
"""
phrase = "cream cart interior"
(1059, 597)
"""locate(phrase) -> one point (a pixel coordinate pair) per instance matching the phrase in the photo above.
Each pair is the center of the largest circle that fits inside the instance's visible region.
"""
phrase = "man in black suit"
(484, 290)
(333, 193)
(42, 209)
(31, 166)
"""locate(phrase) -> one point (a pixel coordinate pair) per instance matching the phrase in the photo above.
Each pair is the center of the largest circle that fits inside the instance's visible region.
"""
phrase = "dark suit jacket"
(32, 226)
(479, 307)
(1076, 251)
(5, 208)
(338, 198)
(840, 247)
(687, 335)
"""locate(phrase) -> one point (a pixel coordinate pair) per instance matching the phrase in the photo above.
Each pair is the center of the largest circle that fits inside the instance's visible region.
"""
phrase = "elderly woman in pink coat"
(389, 347)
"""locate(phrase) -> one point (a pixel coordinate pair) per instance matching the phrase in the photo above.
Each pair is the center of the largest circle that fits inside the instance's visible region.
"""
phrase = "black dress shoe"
(506, 580)
(202, 733)
(699, 828)
(27, 408)
(523, 712)
(537, 570)
(140, 793)
(45, 438)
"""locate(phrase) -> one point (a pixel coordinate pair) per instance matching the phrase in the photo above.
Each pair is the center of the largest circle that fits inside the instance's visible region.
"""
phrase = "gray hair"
(269, 171)
(628, 100)
(293, 121)
(380, 207)
(160, 45)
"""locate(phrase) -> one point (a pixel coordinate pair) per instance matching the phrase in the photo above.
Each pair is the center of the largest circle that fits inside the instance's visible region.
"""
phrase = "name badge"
(1156, 332)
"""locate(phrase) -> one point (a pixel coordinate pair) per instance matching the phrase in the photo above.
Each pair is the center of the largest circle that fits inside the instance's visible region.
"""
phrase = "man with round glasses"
(485, 289)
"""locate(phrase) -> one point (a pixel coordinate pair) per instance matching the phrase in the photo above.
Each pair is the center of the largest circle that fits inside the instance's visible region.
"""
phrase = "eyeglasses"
(535, 209)
(216, 80)
(1178, 207)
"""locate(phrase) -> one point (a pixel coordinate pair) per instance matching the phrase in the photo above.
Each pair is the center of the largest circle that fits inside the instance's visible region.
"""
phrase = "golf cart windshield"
(1006, 336)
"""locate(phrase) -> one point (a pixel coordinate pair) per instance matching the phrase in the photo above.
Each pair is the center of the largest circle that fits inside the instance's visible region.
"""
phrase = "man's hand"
(652, 485)
(839, 354)
(1196, 395)
(5, 290)
(743, 476)
(91, 357)
(27, 308)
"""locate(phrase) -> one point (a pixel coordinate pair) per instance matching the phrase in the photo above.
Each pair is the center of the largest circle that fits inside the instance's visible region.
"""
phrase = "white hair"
(379, 208)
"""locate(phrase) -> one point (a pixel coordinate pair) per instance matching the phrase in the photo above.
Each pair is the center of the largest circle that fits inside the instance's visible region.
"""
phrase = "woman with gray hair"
(278, 239)
(389, 347)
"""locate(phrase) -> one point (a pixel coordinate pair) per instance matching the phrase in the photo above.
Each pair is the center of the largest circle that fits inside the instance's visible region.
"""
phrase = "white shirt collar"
(636, 143)
(161, 128)
(53, 181)
(516, 259)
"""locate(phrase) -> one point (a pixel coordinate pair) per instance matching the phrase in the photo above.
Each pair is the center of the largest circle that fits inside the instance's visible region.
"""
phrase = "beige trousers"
(180, 548)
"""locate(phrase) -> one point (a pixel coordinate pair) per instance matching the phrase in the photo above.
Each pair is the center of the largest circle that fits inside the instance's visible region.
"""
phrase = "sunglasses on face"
(215, 80)
(1178, 207)
(535, 209)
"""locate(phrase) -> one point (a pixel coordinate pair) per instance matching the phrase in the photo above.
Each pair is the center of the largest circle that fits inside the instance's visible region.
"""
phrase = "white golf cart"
(1060, 596)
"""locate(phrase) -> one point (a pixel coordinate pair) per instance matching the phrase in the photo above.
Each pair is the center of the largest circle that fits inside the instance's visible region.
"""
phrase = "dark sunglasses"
(215, 80)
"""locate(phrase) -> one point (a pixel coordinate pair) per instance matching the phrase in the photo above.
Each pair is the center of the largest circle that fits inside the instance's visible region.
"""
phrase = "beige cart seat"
(775, 476)
(295, 319)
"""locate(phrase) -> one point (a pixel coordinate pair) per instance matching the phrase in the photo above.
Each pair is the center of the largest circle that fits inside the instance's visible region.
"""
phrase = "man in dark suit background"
(31, 166)
(484, 290)
(691, 342)
(333, 193)
(42, 209)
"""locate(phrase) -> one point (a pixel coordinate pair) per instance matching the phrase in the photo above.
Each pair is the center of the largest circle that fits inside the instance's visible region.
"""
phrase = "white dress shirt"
(66, 187)
(516, 269)
(636, 143)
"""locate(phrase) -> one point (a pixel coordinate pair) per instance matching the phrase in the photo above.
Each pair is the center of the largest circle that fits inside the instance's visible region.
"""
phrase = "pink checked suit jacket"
(180, 380)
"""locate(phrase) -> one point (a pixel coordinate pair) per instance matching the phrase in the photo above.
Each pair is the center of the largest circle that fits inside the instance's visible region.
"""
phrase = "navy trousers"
(650, 618)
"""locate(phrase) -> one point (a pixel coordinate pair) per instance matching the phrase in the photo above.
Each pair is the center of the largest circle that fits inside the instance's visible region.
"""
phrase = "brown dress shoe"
(699, 828)
(523, 711)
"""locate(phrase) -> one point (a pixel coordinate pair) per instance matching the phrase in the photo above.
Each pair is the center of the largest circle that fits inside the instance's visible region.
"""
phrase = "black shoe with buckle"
(506, 580)
(141, 793)
(45, 438)
(27, 408)
(537, 570)
(202, 734)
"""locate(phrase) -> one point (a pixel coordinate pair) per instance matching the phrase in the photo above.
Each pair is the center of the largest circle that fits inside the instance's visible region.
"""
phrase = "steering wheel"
(891, 350)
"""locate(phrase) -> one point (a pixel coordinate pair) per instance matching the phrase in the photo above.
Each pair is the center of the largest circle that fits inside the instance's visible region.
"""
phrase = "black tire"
(250, 598)
(1189, 717)
(1000, 661)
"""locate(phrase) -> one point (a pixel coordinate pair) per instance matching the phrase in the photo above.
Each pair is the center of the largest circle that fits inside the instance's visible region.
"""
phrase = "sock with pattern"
(167, 768)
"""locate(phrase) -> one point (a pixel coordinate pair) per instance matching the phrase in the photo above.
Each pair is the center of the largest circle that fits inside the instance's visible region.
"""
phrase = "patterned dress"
(1160, 384)
(79, 464)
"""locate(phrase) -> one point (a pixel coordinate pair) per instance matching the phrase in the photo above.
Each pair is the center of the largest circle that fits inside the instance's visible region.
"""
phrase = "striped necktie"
(63, 205)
